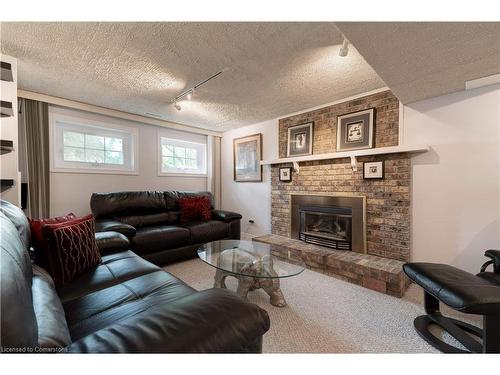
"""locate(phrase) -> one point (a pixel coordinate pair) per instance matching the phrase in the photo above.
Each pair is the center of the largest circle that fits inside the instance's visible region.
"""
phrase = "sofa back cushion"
(127, 203)
(71, 249)
(18, 327)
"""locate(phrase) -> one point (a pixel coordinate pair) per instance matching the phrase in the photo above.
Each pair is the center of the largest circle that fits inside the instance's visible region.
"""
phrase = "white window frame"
(183, 142)
(60, 122)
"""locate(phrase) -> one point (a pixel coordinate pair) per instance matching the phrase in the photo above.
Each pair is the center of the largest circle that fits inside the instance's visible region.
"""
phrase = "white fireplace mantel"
(347, 154)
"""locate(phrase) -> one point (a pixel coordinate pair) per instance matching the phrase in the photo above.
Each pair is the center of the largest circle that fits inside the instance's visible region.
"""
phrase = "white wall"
(9, 163)
(456, 186)
(72, 191)
(251, 199)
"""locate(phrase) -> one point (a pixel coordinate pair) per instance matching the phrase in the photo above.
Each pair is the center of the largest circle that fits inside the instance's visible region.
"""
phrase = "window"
(83, 145)
(182, 157)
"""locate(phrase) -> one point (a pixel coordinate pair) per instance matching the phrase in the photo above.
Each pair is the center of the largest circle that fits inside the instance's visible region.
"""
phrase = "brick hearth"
(381, 274)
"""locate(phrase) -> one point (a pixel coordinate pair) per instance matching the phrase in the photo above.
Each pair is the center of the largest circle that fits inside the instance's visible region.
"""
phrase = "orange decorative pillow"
(71, 248)
(195, 209)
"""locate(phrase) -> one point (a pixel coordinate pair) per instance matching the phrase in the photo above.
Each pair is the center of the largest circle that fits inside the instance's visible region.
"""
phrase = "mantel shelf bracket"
(354, 163)
(296, 167)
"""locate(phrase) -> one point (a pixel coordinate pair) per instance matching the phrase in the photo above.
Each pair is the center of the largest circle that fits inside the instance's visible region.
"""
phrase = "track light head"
(344, 50)
(177, 106)
(190, 94)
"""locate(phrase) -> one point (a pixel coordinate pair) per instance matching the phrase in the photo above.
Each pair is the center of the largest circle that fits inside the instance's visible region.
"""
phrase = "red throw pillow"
(71, 248)
(37, 240)
(195, 209)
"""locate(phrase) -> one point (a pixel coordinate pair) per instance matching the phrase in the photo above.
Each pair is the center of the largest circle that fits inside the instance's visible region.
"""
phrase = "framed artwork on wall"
(300, 140)
(247, 154)
(373, 170)
(355, 130)
(286, 174)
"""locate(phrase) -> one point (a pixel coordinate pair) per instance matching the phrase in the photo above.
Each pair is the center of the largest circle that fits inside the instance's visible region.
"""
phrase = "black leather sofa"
(151, 221)
(124, 305)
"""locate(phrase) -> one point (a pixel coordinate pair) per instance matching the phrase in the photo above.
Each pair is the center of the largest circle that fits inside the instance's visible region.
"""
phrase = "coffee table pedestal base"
(247, 283)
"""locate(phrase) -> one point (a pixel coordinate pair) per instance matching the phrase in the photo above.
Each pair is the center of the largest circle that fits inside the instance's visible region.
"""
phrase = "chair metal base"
(489, 336)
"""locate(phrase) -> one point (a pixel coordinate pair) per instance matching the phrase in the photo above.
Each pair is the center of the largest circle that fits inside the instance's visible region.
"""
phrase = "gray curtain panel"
(35, 120)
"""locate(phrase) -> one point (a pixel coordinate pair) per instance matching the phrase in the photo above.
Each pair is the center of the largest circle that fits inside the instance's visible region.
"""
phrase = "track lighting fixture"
(189, 93)
(344, 50)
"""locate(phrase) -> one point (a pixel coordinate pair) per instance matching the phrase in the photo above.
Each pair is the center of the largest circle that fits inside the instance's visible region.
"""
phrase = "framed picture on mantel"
(355, 130)
(300, 138)
(247, 154)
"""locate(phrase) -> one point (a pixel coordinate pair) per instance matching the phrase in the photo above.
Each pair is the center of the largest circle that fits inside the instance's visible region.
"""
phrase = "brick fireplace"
(381, 243)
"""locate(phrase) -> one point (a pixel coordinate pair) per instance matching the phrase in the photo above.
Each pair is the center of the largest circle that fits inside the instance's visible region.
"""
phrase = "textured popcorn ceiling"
(421, 60)
(270, 69)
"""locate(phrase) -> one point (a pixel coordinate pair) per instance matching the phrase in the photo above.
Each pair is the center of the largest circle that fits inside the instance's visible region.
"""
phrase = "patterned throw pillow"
(195, 209)
(37, 240)
(71, 248)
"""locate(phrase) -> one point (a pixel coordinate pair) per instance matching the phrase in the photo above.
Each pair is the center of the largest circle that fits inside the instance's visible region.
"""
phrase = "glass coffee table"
(253, 264)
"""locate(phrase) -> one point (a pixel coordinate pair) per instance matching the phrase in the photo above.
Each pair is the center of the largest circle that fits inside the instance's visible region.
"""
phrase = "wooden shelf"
(6, 146)
(347, 154)
(6, 184)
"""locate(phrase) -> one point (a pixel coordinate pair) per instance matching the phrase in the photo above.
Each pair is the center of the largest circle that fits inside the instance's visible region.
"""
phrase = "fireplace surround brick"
(388, 201)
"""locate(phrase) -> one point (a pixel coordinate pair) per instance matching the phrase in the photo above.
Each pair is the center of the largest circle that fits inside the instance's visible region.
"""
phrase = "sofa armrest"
(110, 225)
(210, 321)
(111, 242)
(226, 216)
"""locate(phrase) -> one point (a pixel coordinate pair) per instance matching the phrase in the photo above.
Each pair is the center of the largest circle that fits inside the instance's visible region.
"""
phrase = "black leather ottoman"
(463, 292)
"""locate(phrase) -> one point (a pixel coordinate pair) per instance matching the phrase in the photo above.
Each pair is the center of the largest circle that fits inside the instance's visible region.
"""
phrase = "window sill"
(182, 175)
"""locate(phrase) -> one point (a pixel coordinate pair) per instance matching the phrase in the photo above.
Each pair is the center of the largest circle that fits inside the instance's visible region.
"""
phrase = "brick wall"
(325, 122)
(387, 200)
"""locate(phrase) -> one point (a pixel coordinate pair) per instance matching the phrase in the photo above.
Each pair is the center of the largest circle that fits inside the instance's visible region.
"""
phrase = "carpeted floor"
(328, 315)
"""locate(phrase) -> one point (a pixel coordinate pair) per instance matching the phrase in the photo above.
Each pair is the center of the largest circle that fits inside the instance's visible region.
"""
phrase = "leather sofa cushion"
(52, 328)
(138, 221)
(97, 310)
(206, 231)
(157, 238)
(20, 221)
(127, 203)
(113, 269)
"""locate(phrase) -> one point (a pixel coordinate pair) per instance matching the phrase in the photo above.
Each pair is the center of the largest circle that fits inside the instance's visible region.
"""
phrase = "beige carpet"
(327, 315)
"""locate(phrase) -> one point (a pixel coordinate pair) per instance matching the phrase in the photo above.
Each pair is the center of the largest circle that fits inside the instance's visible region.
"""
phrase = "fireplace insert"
(326, 226)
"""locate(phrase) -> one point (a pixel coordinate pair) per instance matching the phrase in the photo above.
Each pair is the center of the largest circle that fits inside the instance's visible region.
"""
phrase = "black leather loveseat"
(151, 220)
(125, 304)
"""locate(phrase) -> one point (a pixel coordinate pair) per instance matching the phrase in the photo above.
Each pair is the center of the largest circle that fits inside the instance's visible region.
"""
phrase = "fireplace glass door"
(326, 226)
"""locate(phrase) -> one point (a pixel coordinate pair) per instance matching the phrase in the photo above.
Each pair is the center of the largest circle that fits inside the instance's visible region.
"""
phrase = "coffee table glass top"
(249, 258)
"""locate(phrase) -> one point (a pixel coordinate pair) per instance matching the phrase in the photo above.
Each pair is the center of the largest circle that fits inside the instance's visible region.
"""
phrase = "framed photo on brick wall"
(373, 170)
(355, 130)
(286, 174)
(300, 138)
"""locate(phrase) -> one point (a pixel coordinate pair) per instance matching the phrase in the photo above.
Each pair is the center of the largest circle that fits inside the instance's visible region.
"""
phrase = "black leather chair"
(472, 294)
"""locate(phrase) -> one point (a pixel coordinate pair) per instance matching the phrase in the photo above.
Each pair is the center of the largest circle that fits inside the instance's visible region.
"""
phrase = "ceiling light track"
(188, 94)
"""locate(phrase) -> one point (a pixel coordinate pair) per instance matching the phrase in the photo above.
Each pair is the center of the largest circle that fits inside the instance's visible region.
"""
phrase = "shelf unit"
(6, 146)
(353, 155)
(6, 183)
